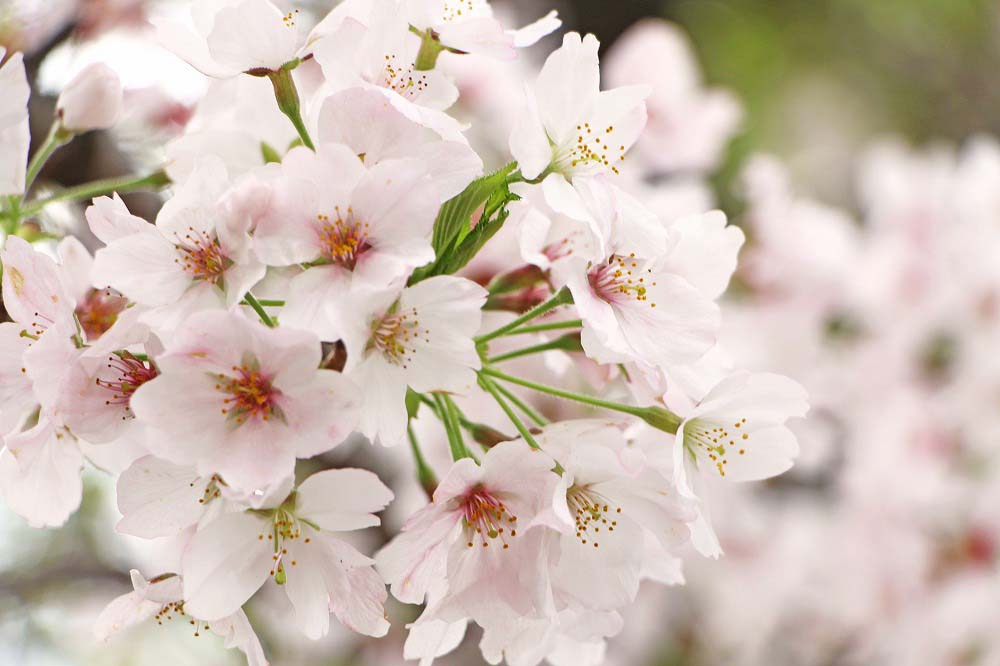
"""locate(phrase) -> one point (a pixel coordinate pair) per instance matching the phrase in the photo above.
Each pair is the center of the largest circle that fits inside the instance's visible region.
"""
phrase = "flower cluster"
(327, 264)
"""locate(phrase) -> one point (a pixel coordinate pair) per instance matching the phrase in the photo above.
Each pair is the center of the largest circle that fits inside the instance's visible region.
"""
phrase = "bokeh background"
(881, 549)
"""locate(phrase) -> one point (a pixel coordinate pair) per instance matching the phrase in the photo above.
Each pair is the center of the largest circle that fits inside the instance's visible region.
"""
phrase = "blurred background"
(861, 167)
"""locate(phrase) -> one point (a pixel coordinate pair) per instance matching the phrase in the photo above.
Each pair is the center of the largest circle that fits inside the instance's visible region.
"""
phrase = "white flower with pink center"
(198, 255)
(293, 541)
(242, 400)
(420, 338)
(474, 549)
(350, 224)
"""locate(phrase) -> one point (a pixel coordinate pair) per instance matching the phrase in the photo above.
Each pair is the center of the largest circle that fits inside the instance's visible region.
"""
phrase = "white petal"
(339, 500)
(158, 498)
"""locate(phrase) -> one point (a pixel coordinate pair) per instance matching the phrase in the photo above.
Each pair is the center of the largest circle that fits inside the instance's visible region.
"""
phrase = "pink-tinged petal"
(322, 411)
(192, 208)
(123, 612)
(310, 303)
(417, 557)
(396, 198)
(224, 564)
(158, 498)
(14, 131)
(362, 609)
(429, 639)
(34, 293)
(109, 219)
(254, 456)
(50, 363)
(40, 475)
(532, 33)
(706, 252)
(158, 403)
(16, 398)
(763, 396)
(340, 500)
(237, 633)
(145, 267)
(529, 144)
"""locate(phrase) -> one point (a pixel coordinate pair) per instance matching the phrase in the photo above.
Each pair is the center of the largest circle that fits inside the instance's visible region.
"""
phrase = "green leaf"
(454, 239)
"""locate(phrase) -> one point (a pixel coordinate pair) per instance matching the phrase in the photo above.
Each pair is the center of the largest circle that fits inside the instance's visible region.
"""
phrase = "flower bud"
(91, 101)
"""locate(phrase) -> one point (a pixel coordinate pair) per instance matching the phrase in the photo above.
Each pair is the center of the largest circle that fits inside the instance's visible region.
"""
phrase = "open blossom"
(294, 542)
(610, 500)
(236, 398)
(197, 256)
(222, 38)
(14, 134)
(420, 338)
(474, 541)
(91, 101)
(350, 224)
(738, 432)
(634, 305)
(572, 127)
(160, 599)
(371, 46)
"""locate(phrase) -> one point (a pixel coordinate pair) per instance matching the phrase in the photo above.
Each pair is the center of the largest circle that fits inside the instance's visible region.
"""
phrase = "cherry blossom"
(350, 224)
(570, 126)
(293, 542)
(236, 398)
(420, 338)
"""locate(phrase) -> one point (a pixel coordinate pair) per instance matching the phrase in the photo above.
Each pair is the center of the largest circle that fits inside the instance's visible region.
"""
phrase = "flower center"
(402, 79)
(201, 257)
(716, 441)
(485, 518)
(591, 512)
(250, 395)
(343, 239)
(395, 336)
(284, 527)
(99, 311)
(590, 150)
(620, 280)
(128, 373)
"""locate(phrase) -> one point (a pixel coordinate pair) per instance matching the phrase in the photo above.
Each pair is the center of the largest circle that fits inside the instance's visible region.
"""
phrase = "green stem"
(569, 343)
(425, 475)
(491, 388)
(458, 449)
(522, 405)
(57, 137)
(562, 297)
(153, 181)
(541, 328)
(658, 417)
(259, 309)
